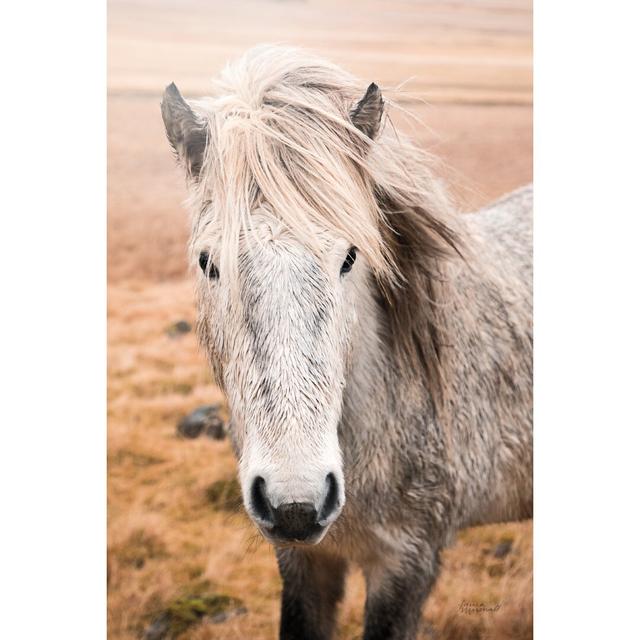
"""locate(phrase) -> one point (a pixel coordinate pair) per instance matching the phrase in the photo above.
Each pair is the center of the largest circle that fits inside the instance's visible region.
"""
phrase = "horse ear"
(185, 131)
(367, 114)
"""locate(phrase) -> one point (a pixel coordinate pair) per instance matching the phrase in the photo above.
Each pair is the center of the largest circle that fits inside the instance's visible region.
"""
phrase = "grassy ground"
(174, 529)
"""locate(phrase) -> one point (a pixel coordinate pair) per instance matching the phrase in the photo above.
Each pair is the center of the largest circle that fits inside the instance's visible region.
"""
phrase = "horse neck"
(379, 391)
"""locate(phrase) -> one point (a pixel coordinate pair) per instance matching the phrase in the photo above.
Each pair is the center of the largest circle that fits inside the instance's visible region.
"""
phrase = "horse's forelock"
(281, 137)
(295, 154)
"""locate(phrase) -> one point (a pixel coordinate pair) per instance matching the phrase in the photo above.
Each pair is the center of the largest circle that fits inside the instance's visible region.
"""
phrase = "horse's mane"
(281, 138)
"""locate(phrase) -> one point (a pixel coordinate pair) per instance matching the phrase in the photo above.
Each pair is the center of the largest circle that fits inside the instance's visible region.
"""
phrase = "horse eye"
(348, 261)
(208, 268)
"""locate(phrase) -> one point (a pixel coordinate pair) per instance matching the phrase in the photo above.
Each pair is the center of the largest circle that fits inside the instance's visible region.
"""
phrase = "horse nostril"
(331, 501)
(260, 502)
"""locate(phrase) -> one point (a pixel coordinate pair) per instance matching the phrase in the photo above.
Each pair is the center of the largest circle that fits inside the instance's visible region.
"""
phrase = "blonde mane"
(280, 138)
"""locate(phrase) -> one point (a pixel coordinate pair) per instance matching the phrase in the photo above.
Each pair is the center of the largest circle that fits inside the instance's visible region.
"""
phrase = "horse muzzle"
(296, 521)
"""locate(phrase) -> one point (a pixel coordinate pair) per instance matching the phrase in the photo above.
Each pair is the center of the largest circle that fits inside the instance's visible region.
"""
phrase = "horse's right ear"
(185, 131)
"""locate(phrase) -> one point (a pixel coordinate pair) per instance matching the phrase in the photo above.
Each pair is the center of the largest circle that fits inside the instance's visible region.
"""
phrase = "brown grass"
(174, 529)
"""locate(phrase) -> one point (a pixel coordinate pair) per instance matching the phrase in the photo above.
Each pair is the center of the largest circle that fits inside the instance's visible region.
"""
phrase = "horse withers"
(375, 347)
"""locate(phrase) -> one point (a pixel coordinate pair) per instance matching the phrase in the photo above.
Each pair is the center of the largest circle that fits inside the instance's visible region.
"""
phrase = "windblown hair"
(280, 138)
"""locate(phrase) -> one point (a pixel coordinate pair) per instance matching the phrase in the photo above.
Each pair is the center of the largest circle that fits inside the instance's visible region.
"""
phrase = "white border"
(586, 113)
(53, 328)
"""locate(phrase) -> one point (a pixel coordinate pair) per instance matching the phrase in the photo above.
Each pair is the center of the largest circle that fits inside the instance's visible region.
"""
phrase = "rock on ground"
(205, 419)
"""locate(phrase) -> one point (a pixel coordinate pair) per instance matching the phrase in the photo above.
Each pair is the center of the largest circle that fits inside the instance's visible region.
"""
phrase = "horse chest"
(371, 546)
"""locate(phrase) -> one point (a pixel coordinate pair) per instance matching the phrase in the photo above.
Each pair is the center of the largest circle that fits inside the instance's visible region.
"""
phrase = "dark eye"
(208, 268)
(348, 261)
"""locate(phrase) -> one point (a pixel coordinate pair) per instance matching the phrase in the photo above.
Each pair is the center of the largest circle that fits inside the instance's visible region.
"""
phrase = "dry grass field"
(174, 528)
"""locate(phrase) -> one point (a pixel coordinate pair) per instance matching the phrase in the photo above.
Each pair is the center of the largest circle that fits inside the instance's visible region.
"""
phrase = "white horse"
(375, 348)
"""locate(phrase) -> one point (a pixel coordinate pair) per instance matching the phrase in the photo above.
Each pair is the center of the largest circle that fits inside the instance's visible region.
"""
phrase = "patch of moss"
(186, 611)
(225, 495)
(140, 547)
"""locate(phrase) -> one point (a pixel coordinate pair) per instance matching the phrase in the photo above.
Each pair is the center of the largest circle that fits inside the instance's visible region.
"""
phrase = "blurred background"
(183, 561)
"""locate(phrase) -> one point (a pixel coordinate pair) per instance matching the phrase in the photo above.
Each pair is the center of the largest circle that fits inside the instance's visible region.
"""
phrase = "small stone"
(190, 426)
(225, 615)
(203, 419)
(502, 549)
(178, 329)
(215, 428)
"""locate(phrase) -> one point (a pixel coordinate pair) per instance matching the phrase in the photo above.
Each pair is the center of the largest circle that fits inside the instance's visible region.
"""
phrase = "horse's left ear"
(185, 131)
(367, 114)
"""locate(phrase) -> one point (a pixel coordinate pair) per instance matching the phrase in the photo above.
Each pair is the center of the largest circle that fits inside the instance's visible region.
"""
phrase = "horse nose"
(296, 521)
(293, 521)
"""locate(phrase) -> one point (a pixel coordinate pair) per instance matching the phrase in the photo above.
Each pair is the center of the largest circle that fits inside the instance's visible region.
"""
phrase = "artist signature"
(476, 608)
